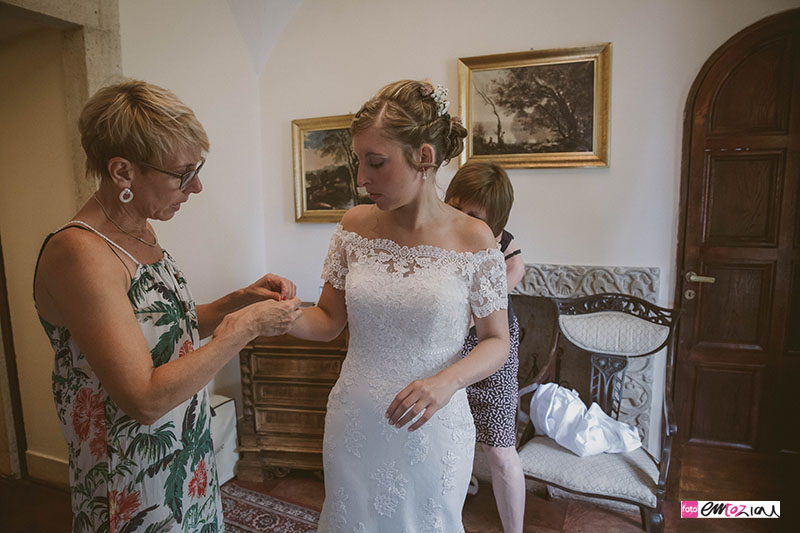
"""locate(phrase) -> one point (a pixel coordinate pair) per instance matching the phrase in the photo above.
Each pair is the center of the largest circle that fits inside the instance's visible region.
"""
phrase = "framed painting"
(543, 108)
(325, 169)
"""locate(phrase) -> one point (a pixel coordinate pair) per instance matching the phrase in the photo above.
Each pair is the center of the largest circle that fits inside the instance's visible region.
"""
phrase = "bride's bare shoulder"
(356, 218)
(471, 234)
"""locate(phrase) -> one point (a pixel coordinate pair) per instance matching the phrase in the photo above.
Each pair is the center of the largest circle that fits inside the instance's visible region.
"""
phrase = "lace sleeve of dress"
(489, 292)
(334, 269)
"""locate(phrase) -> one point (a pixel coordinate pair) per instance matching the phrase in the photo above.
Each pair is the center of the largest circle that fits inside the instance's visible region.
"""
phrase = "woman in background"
(130, 376)
(483, 190)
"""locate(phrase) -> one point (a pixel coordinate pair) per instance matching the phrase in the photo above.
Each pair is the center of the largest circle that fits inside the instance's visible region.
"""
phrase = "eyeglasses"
(185, 178)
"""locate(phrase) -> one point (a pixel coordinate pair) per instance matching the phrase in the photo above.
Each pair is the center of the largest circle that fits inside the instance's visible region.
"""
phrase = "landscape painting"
(544, 108)
(325, 169)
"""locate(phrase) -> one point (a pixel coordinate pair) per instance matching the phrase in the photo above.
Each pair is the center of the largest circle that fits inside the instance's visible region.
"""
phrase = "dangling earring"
(425, 174)
(126, 195)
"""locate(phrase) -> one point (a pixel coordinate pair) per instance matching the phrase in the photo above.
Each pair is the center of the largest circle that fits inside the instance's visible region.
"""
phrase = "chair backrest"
(537, 330)
(613, 328)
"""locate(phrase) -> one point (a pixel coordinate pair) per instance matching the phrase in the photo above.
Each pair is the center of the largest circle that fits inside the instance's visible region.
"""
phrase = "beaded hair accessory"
(439, 95)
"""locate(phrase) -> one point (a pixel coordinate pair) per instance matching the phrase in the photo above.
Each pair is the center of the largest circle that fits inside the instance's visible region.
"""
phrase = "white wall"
(333, 55)
(195, 49)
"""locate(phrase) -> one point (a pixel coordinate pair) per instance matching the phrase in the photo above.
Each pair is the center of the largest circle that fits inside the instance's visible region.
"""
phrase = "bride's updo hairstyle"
(414, 113)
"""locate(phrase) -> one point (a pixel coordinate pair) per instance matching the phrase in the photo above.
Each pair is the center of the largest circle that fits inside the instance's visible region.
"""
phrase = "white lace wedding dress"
(408, 310)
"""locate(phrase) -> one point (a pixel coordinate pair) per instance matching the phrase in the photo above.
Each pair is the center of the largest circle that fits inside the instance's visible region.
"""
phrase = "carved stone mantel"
(571, 281)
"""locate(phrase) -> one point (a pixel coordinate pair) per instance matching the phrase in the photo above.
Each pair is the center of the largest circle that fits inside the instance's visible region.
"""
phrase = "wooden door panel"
(734, 311)
(754, 96)
(744, 199)
(792, 344)
(726, 406)
(738, 362)
(797, 222)
(788, 419)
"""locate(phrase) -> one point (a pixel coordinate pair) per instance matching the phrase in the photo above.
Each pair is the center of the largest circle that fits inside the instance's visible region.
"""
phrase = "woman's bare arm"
(269, 287)
(83, 281)
(324, 321)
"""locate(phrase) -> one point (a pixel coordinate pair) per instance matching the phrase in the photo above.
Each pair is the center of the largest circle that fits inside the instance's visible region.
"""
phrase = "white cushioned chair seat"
(631, 476)
(613, 332)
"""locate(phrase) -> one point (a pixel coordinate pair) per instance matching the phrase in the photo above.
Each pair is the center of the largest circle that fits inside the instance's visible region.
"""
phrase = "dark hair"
(409, 115)
(487, 186)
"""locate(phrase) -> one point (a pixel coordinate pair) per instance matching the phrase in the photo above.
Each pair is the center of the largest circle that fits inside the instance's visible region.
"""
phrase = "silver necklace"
(152, 245)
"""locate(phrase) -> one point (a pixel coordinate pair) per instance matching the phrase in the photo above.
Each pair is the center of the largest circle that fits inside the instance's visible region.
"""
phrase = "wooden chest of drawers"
(285, 387)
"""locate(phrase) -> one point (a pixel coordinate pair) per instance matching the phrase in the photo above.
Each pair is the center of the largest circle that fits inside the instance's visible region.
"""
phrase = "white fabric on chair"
(613, 332)
(631, 476)
(559, 413)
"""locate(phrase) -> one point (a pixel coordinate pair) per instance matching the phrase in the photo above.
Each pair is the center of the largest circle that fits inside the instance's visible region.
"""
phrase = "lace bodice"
(411, 306)
(408, 310)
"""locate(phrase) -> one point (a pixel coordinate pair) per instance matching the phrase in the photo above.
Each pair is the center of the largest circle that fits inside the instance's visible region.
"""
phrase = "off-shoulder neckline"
(389, 243)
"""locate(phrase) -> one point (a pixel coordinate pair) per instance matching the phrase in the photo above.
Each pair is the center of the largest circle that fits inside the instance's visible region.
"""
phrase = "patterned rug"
(248, 511)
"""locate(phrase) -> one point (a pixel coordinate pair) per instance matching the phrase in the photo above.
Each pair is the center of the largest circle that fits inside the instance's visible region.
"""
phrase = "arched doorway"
(739, 346)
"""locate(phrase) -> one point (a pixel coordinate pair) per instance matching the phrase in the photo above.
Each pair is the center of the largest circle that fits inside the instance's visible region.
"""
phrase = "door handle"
(691, 276)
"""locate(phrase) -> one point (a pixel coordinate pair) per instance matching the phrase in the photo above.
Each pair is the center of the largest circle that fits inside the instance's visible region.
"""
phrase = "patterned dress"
(126, 476)
(408, 310)
(493, 400)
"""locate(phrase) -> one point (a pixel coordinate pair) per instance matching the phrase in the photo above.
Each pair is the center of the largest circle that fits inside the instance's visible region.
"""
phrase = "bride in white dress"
(407, 273)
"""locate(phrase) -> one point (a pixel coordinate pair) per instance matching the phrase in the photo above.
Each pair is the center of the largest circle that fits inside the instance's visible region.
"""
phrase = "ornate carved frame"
(599, 54)
(300, 128)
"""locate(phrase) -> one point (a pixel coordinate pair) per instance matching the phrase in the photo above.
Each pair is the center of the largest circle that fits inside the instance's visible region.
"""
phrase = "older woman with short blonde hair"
(130, 376)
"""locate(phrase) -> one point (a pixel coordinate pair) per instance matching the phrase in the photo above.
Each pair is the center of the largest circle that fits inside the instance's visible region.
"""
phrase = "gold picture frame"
(325, 169)
(537, 109)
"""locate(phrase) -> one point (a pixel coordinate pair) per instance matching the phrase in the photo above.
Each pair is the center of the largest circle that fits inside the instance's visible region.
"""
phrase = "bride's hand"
(424, 396)
(271, 287)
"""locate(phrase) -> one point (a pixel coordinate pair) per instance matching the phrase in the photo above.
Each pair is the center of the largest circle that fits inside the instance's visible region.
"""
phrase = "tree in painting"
(331, 185)
(544, 108)
(480, 130)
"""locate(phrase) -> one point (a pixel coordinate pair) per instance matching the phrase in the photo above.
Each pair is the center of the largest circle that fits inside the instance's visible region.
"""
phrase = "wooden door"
(739, 342)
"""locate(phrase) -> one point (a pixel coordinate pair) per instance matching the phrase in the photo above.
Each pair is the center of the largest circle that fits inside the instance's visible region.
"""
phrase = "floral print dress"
(126, 476)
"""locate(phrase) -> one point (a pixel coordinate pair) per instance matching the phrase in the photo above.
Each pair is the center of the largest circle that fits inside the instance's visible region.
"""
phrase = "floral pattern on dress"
(408, 311)
(391, 488)
(126, 476)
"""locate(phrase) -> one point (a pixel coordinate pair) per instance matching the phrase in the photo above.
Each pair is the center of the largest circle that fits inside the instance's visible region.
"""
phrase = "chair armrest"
(670, 426)
(545, 375)
(670, 429)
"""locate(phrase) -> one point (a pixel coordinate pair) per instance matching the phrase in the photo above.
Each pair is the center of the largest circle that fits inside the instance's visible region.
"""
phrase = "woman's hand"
(268, 288)
(425, 396)
(266, 318)
(276, 318)
(271, 287)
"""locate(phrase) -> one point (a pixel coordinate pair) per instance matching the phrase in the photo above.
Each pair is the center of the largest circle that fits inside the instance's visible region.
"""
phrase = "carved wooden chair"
(610, 329)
